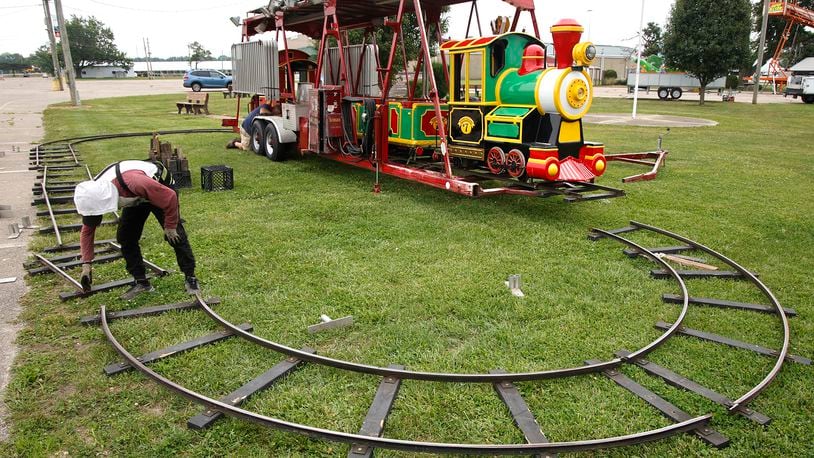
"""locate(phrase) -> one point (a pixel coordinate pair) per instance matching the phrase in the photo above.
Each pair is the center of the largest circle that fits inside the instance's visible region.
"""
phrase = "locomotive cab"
(517, 116)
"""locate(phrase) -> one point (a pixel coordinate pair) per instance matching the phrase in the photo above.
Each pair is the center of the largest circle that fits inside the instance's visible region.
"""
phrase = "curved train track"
(369, 437)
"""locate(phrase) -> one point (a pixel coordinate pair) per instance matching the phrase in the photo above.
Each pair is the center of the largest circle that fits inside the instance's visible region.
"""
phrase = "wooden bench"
(194, 103)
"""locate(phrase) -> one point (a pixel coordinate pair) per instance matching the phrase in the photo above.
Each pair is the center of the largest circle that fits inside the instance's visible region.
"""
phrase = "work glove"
(172, 236)
(87, 277)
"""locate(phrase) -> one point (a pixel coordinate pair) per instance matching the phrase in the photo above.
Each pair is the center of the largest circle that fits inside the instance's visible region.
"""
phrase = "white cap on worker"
(94, 198)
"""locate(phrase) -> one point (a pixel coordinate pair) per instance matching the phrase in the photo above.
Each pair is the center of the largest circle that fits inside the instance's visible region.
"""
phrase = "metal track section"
(146, 311)
(670, 411)
(71, 264)
(522, 416)
(265, 380)
(54, 268)
(679, 381)
(698, 274)
(75, 246)
(674, 299)
(377, 414)
(115, 368)
(99, 288)
(152, 266)
(474, 377)
(43, 185)
(782, 354)
(398, 444)
(717, 338)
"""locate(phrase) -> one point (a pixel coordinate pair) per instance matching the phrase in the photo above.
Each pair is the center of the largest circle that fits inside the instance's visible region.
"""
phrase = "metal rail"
(471, 377)
(73, 153)
(59, 271)
(43, 185)
(399, 444)
(158, 270)
(90, 138)
(781, 312)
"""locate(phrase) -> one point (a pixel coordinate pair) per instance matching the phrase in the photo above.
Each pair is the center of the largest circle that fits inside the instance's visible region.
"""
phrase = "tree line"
(92, 44)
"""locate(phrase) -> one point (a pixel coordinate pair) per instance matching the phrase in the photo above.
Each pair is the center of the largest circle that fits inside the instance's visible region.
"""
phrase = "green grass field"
(422, 271)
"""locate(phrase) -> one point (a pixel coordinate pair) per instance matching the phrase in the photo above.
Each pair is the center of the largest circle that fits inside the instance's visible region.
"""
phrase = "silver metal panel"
(366, 78)
(256, 69)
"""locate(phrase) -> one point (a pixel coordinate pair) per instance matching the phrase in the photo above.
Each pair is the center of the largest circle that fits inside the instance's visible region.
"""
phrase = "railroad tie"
(146, 311)
(377, 413)
(703, 335)
(115, 368)
(521, 414)
(680, 381)
(669, 410)
(265, 380)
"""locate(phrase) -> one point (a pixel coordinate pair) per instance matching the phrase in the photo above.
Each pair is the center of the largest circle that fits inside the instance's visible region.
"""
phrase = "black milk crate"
(182, 179)
(217, 178)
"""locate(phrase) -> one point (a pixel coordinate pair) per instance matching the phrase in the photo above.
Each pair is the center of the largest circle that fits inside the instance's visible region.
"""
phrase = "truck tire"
(808, 98)
(258, 143)
(676, 93)
(664, 93)
(274, 150)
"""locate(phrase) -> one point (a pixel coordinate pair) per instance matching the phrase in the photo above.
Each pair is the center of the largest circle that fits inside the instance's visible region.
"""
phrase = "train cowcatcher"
(511, 122)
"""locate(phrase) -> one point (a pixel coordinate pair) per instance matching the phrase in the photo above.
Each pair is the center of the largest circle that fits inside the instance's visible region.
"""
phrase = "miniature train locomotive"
(517, 117)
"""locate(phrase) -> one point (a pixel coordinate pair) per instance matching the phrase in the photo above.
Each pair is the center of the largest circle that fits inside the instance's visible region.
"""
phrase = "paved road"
(22, 101)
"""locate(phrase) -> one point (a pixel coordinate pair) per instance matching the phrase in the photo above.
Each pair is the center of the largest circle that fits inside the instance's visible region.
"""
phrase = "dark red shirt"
(142, 186)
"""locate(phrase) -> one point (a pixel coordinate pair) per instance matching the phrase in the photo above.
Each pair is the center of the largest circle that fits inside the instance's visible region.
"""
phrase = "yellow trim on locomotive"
(567, 28)
(570, 132)
(580, 54)
(558, 101)
(577, 93)
(465, 63)
(401, 141)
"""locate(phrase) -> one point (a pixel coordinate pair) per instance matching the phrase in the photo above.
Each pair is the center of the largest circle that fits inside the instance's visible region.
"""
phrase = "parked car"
(199, 79)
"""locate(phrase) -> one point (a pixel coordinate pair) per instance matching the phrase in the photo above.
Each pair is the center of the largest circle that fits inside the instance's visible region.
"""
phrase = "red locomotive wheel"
(515, 163)
(496, 160)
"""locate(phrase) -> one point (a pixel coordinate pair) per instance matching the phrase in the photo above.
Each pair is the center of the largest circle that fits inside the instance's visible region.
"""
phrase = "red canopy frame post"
(524, 5)
(279, 25)
(442, 130)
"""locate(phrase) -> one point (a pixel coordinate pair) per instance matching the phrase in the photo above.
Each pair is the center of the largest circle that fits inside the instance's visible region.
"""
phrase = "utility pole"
(756, 77)
(66, 52)
(49, 26)
(638, 64)
(146, 42)
(150, 60)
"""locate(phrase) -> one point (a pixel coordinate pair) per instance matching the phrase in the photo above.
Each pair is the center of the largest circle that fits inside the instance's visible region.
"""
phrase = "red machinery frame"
(358, 15)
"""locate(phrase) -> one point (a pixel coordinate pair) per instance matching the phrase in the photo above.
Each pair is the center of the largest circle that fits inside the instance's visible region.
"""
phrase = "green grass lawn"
(422, 272)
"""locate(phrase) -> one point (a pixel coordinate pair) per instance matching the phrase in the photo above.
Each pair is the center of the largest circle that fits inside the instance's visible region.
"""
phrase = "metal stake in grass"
(513, 282)
(13, 230)
(328, 323)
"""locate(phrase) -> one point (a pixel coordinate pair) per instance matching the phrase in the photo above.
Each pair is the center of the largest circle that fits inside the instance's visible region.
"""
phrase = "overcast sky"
(170, 25)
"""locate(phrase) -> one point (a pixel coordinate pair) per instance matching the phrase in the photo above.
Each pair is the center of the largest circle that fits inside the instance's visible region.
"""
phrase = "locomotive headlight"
(584, 53)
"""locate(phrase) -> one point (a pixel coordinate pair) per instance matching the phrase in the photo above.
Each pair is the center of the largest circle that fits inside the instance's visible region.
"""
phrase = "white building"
(107, 71)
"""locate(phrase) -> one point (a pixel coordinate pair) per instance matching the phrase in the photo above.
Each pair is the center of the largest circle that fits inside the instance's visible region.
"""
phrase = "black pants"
(131, 225)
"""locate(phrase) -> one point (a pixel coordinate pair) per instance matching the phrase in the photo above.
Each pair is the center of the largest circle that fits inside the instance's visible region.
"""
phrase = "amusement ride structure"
(511, 123)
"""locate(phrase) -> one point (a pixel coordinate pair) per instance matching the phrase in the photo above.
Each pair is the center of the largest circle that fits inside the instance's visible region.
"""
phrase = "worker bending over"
(139, 188)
